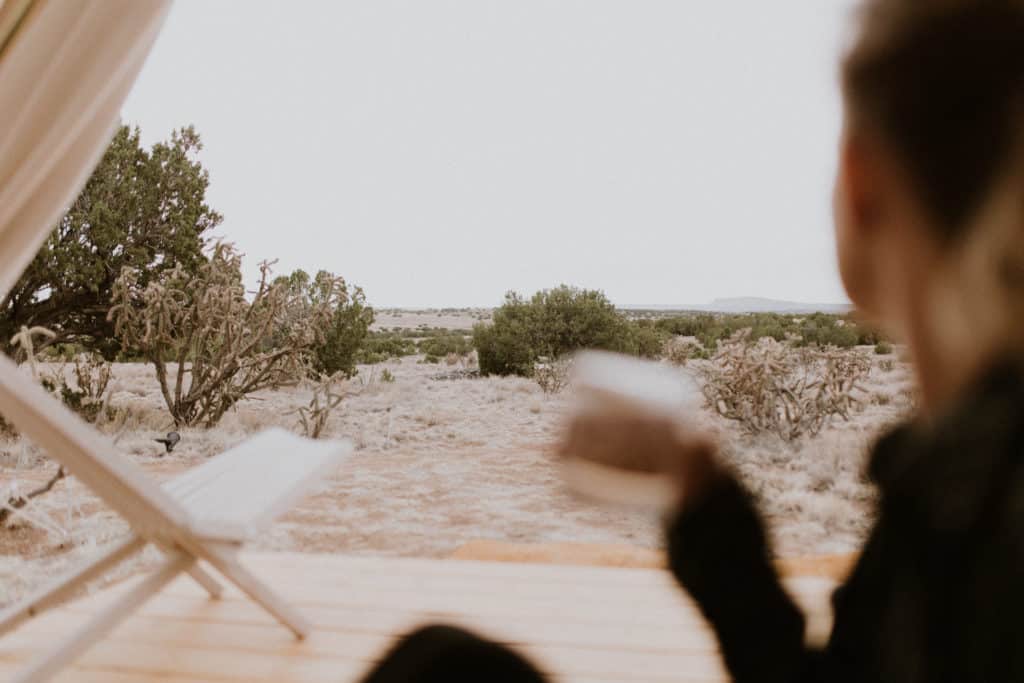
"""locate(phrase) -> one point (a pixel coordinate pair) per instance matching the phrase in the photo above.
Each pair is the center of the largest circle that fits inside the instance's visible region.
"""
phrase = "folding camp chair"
(65, 69)
(205, 514)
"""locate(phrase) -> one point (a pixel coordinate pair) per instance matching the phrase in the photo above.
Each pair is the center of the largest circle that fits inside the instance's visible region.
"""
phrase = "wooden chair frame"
(156, 516)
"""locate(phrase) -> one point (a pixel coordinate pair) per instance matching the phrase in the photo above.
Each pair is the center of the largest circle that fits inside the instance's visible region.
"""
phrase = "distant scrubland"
(141, 323)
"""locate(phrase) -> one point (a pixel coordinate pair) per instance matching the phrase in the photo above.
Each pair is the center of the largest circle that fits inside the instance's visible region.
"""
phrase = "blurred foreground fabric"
(65, 69)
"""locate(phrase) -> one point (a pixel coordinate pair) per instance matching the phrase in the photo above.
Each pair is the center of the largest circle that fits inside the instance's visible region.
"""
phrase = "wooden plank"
(78, 641)
(600, 629)
(286, 613)
(318, 582)
(540, 628)
(132, 645)
(174, 628)
(652, 591)
(534, 574)
(78, 675)
(300, 666)
(361, 565)
(496, 600)
(113, 676)
(374, 606)
(65, 586)
(437, 607)
(517, 598)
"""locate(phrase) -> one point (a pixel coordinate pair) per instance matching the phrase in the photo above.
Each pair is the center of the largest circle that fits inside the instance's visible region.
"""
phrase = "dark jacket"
(938, 592)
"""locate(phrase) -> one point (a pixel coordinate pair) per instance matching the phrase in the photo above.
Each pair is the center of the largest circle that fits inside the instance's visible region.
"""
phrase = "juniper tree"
(140, 209)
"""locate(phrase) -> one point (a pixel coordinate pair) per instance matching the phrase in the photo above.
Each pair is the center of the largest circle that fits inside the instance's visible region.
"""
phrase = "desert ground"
(452, 319)
(439, 463)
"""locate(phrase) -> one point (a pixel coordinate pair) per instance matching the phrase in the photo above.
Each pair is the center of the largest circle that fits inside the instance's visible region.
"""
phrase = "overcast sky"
(439, 153)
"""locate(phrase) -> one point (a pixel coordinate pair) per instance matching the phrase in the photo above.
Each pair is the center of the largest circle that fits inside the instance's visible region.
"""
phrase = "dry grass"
(439, 464)
(464, 319)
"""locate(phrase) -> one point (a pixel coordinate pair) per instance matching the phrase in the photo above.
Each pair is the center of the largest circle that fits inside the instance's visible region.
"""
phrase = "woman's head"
(931, 178)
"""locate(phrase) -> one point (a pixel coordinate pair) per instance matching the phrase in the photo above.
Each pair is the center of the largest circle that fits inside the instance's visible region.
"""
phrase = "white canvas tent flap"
(65, 70)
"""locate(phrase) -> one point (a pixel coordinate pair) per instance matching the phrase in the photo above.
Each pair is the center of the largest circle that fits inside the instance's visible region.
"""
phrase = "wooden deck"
(580, 624)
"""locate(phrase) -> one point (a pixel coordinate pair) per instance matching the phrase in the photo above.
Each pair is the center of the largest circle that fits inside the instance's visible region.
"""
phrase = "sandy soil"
(452, 319)
(441, 463)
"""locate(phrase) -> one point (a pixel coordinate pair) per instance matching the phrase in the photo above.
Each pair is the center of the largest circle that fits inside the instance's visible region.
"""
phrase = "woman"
(929, 210)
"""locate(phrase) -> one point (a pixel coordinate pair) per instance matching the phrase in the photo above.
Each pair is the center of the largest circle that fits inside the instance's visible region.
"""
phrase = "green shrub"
(437, 348)
(504, 348)
(814, 329)
(709, 329)
(87, 395)
(681, 350)
(378, 347)
(692, 325)
(142, 209)
(336, 351)
(436, 343)
(647, 341)
(344, 337)
(883, 348)
(555, 322)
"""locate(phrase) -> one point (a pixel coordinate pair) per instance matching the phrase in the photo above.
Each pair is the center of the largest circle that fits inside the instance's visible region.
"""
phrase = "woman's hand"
(645, 444)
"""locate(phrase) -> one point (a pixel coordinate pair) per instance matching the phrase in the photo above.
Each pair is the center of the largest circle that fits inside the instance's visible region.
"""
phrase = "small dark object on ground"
(170, 441)
(455, 375)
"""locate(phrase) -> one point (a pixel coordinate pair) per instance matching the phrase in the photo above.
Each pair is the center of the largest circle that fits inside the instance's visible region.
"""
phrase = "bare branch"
(232, 346)
(19, 502)
(772, 386)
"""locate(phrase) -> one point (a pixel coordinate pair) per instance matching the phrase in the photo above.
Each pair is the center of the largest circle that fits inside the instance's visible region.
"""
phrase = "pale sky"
(439, 153)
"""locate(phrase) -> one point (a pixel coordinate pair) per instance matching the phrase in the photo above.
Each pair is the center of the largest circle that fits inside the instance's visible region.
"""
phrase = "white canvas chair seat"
(236, 495)
(65, 69)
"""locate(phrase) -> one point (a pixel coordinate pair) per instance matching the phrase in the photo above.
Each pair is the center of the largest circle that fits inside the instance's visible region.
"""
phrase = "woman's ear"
(865, 210)
(884, 246)
(859, 176)
(859, 216)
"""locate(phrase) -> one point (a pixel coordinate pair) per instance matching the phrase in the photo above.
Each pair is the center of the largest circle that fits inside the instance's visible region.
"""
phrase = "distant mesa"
(751, 304)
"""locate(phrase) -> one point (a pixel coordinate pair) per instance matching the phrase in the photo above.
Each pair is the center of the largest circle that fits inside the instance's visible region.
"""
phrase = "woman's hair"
(942, 82)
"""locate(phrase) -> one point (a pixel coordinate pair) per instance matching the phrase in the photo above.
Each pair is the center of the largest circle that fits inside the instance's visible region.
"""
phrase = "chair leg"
(201, 576)
(228, 565)
(57, 658)
(204, 579)
(67, 585)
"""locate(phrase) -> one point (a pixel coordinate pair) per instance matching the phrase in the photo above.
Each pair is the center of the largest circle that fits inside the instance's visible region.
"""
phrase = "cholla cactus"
(772, 386)
(552, 375)
(680, 350)
(313, 417)
(89, 396)
(24, 341)
(224, 346)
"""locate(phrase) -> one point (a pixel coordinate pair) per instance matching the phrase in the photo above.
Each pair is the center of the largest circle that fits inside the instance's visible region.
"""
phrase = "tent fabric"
(65, 70)
(11, 13)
